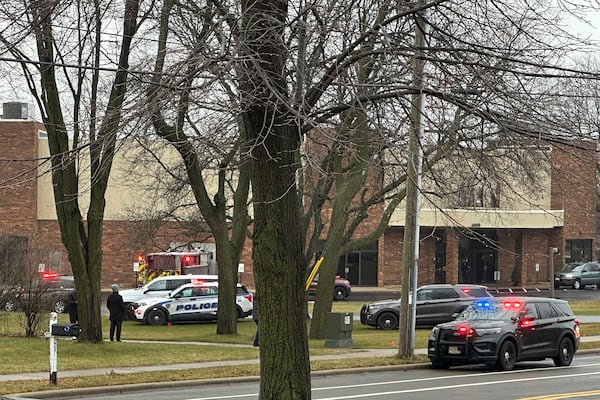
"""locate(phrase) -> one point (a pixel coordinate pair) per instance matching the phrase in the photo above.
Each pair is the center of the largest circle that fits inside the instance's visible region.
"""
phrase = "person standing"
(255, 317)
(117, 310)
(72, 307)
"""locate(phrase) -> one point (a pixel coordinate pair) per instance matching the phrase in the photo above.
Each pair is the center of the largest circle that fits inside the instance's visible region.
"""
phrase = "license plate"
(453, 350)
(557, 279)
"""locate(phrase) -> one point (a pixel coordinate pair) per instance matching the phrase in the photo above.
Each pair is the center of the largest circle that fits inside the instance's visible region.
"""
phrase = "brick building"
(507, 242)
(459, 242)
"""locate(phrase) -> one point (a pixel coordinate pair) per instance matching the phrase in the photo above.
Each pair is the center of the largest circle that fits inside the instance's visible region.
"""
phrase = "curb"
(135, 387)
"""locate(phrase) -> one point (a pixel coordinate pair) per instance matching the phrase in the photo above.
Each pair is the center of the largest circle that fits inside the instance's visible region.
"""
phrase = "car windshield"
(571, 267)
(577, 268)
(484, 310)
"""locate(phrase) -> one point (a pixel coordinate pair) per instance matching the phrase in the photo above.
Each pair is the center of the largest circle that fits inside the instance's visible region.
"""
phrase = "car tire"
(156, 317)
(438, 363)
(507, 356)
(59, 307)
(340, 293)
(556, 286)
(9, 306)
(565, 353)
(387, 320)
(577, 285)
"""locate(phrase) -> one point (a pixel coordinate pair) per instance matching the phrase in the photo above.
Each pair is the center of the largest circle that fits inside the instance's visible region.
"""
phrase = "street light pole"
(551, 252)
(410, 260)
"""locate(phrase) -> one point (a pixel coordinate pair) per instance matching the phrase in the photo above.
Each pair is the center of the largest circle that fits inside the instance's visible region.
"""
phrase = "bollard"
(53, 352)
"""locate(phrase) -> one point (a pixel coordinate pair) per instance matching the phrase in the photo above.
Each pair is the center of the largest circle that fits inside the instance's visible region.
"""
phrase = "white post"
(53, 350)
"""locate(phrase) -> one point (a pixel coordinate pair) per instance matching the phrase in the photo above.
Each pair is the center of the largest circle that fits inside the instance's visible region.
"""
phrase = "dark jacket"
(116, 307)
(72, 302)
(255, 310)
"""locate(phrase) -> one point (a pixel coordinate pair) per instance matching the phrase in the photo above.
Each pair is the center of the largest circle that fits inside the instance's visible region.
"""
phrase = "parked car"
(435, 304)
(162, 286)
(499, 332)
(49, 292)
(341, 290)
(190, 302)
(578, 275)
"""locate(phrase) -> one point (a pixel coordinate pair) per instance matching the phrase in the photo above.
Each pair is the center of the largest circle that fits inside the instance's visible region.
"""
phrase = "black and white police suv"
(190, 302)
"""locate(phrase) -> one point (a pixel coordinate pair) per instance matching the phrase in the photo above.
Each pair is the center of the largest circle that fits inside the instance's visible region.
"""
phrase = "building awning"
(485, 218)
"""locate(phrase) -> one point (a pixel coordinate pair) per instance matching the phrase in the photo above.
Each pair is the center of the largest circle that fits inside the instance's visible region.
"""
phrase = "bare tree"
(480, 98)
(74, 61)
(172, 88)
(342, 68)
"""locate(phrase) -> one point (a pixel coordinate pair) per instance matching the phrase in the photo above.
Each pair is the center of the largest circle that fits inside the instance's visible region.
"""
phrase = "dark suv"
(435, 304)
(501, 331)
(45, 293)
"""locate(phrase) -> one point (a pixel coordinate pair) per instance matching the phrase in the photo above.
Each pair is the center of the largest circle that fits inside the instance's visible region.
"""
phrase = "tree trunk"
(279, 267)
(83, 242)
(277, 242)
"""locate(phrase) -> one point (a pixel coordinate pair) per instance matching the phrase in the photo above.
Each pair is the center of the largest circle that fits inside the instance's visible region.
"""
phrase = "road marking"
(562, 395)
(416, 380)
(420, 390)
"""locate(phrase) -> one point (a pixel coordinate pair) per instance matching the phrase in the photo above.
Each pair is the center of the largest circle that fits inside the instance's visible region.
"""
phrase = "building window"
(578, 250)
(358, 266)
(484, 195)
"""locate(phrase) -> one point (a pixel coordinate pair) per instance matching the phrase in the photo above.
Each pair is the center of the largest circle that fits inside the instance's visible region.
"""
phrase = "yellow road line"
(562, 396)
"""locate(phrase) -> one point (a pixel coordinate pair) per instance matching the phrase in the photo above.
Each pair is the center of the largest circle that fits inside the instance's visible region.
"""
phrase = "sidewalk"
(356, 353)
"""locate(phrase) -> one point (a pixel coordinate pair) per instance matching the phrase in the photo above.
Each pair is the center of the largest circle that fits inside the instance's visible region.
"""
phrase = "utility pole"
(410, 259)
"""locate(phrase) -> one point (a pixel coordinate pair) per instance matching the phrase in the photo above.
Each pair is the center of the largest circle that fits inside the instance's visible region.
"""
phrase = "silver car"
(578, 275)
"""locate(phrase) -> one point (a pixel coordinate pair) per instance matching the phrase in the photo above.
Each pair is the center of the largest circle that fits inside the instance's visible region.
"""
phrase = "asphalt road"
(532, 380)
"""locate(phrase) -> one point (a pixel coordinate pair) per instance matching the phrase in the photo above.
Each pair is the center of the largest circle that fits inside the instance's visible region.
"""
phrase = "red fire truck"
(152, 265)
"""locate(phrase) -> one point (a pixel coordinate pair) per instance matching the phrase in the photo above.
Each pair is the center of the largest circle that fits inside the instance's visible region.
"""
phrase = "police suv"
(161, 286)
(190, 302)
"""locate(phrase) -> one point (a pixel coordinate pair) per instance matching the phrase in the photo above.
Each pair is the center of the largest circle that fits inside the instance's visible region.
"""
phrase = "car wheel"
(156, 317)
(507, 357)
(340, 293)
(438, 363)
(577, 285)
(59, 306)
(9, 306)
(387, 320)
(565, 353)
(556, 286)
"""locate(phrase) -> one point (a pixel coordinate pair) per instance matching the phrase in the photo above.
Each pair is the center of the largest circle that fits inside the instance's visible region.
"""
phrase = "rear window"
(242, 289)
(175, 283)
(563, 309)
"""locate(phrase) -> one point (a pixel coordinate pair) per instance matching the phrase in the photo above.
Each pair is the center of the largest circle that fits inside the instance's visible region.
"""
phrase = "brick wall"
(18, 172)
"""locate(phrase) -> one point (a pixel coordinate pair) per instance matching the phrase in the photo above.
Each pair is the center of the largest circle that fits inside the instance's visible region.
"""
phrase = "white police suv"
(162, 286)
(190, 302)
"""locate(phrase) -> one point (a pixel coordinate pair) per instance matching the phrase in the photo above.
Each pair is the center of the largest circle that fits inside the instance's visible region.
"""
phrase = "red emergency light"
(188, 259)
(49, 275)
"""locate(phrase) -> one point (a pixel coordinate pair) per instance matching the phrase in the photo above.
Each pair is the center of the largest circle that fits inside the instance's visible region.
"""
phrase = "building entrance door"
(477, 257)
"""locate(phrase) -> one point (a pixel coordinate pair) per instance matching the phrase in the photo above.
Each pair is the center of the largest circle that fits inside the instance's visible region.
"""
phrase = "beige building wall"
(519, 206)
(132, 187)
